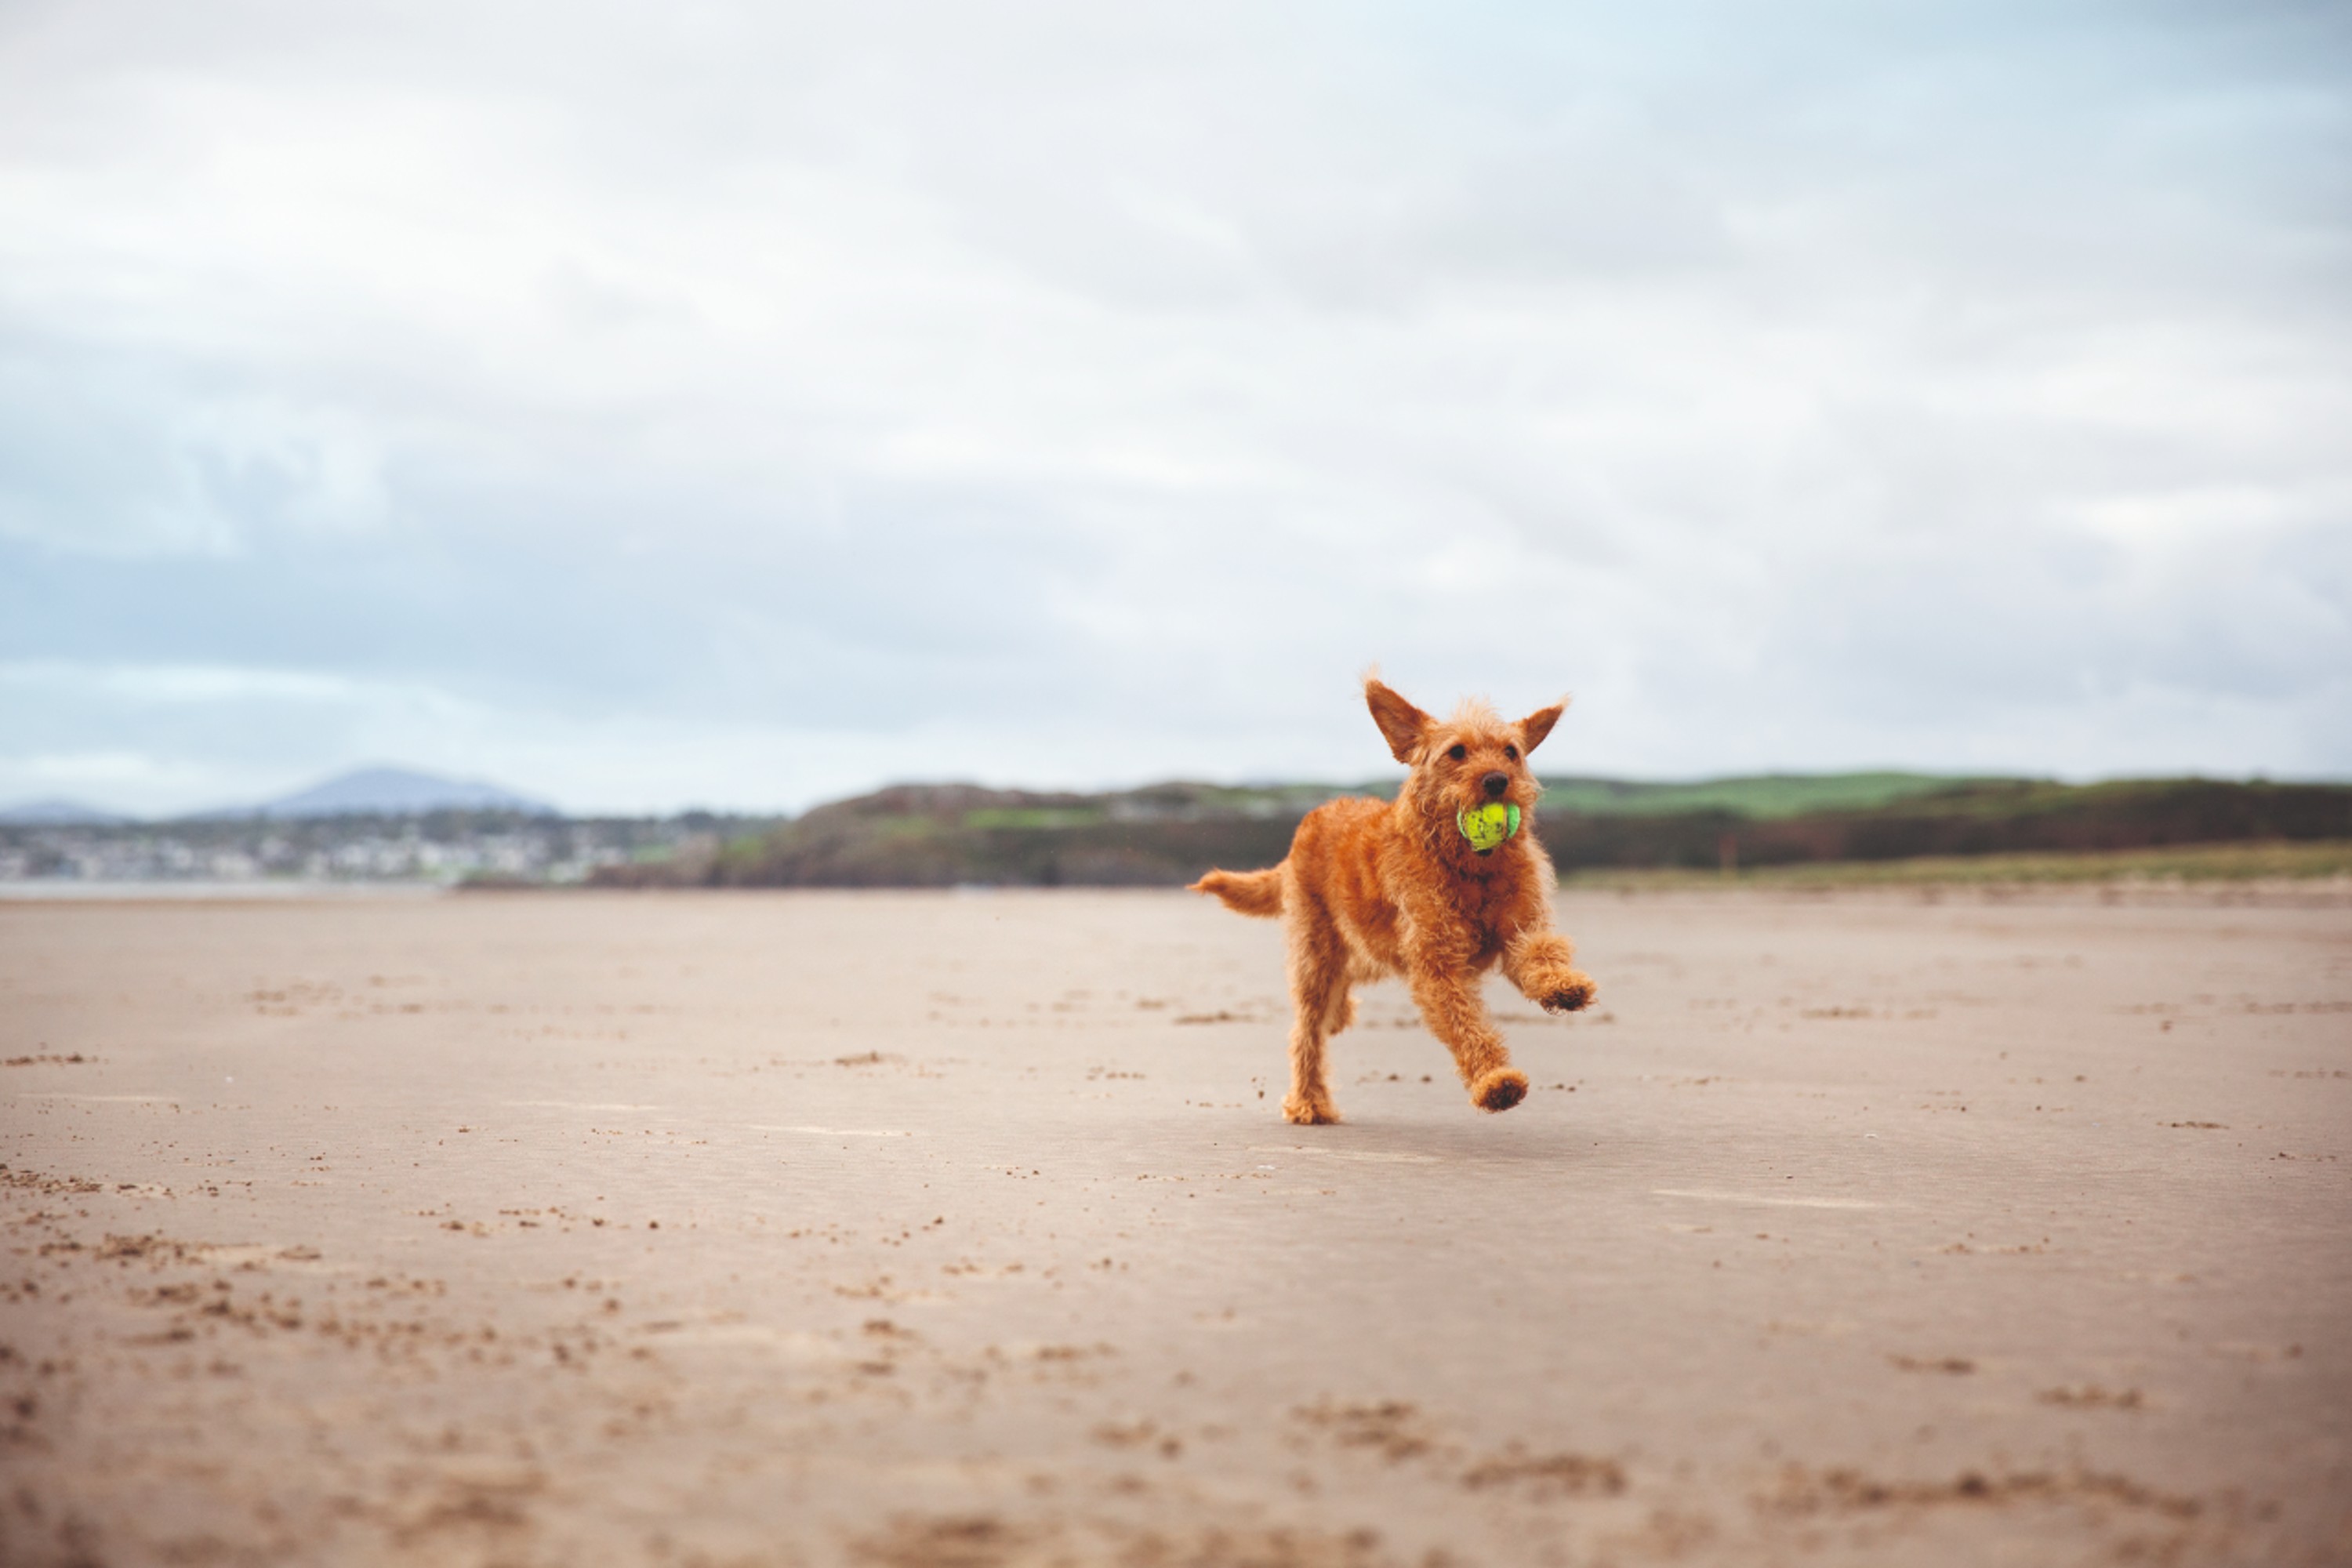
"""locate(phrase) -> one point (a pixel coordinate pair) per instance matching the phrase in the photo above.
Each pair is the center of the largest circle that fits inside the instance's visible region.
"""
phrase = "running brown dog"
(1374, 888)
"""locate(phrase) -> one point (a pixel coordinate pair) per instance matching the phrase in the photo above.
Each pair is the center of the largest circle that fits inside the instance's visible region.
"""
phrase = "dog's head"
(1468, 760)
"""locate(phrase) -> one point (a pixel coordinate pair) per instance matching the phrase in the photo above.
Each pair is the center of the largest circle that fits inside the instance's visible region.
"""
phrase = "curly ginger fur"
(1372, 889)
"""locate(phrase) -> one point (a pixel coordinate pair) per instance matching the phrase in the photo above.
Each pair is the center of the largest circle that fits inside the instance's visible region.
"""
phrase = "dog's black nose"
(1494, 784)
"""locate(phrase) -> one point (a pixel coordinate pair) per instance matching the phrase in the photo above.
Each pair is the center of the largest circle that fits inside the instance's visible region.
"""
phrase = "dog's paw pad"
(1310, 1113)
(1571, 998)
(1499, 1089)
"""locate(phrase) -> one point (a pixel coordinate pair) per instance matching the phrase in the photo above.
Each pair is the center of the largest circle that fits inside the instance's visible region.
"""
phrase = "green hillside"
(947, 835)
(1760, 797)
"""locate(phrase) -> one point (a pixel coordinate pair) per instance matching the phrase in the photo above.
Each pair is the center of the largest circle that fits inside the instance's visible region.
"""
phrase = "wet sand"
(916, 1230)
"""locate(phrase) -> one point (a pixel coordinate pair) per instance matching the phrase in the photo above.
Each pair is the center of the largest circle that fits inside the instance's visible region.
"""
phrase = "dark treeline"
(1981, 818)
(947, 835)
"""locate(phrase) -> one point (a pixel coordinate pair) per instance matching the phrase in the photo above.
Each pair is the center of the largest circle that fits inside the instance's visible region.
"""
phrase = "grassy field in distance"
(1165, 835)
(2185, 863)
(1761, 797)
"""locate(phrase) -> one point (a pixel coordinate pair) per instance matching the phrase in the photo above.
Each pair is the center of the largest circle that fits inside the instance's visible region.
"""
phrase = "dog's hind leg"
(1450, 1004)
(1322, 1007)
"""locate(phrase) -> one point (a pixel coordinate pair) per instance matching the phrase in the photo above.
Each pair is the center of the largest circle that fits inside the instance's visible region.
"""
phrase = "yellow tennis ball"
(1487, 827)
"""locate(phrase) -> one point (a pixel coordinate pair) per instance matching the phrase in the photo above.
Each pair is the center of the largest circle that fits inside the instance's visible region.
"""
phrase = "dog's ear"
(1403, 723)
(1537, 724)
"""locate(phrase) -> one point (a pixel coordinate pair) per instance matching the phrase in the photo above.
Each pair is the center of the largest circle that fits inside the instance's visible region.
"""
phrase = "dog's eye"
(1512, 753)
(1457, 753)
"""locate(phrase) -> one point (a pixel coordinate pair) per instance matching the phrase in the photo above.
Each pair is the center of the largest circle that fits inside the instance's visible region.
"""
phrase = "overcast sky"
(744, 405)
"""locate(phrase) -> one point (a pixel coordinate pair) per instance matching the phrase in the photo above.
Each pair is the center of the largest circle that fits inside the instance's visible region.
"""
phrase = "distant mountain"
(57, 813)
(393, 792)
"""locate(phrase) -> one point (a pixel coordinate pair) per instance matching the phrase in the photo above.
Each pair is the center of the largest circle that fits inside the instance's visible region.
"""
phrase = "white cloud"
(803, 397)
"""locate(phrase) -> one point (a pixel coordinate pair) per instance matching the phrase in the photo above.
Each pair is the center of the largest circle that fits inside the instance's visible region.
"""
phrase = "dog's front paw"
(1499, 1089)
(1309, 1112)
(1572, 996)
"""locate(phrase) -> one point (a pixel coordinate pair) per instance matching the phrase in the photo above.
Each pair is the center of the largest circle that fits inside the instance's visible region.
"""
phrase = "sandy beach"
(962, 1229)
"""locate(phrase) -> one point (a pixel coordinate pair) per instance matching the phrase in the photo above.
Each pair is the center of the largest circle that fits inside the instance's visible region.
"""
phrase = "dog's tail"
(1246, 892)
